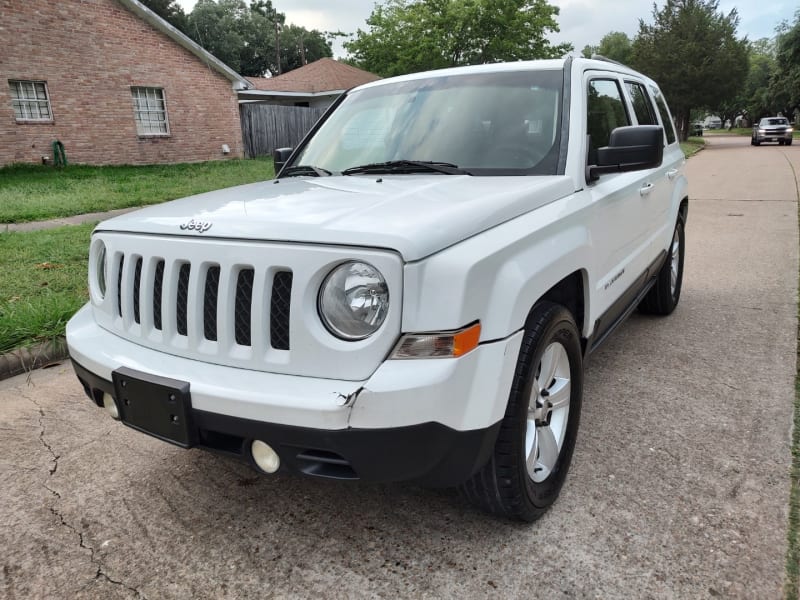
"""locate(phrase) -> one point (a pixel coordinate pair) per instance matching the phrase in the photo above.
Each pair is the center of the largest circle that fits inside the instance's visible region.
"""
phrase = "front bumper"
(773, 137)
(432, 421)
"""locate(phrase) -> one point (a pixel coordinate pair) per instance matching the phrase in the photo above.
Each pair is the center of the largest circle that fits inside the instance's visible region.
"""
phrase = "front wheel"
(537, 435)
(788, 142)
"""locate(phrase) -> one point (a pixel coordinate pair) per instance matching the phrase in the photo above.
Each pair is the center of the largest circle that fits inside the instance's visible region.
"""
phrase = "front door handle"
(672, 173)
(646, 189)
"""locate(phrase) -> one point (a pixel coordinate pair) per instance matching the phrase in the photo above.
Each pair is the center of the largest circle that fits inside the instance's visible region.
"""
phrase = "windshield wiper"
(296, 170)
(407, 166)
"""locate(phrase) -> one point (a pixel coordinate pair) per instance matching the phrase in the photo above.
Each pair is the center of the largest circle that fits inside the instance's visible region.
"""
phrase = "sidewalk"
(74, 220)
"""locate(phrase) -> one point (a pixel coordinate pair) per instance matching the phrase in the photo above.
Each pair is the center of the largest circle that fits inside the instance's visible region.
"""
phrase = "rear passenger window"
(642, 107)
(669, 128)
(605, 112)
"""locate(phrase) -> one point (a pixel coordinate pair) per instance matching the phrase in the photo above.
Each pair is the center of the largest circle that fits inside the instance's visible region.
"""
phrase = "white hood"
(415, 215)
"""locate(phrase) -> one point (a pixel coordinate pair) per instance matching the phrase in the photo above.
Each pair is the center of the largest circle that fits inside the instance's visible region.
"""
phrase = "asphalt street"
(679, 487)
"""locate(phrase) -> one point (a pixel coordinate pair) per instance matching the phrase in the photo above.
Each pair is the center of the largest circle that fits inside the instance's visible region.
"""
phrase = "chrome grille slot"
(137, 281)
(279, 311)
(158, 283)
(183, 299)
(243, 307)
(210, 299)
(119, 284)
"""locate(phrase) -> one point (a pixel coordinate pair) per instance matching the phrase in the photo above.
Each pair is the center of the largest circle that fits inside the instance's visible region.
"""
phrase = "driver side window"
(605, 111)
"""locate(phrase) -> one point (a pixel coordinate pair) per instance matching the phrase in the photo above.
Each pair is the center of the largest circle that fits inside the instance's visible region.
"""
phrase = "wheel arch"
(570, 293)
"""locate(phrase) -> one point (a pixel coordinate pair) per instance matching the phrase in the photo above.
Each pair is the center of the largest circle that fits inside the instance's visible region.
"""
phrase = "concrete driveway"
(679, 486)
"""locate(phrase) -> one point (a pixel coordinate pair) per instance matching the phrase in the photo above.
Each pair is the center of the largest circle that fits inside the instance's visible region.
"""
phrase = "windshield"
(482, 123)
(768, 122)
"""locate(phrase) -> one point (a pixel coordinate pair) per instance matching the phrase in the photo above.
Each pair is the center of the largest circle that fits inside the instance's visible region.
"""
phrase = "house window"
(150, 111)
(30, 100)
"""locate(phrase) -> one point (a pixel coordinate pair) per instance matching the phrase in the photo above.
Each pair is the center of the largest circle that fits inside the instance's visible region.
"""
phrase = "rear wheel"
(537, 436)
(664, 295)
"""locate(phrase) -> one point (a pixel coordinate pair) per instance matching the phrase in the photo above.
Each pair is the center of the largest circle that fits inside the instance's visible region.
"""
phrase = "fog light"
(266, 458)
(111, 406)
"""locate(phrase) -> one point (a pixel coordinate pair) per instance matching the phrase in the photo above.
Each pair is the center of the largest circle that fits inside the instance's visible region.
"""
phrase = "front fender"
(498, 275)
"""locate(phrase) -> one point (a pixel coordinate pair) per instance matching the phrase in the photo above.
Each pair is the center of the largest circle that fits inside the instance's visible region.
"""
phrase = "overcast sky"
(582, 22)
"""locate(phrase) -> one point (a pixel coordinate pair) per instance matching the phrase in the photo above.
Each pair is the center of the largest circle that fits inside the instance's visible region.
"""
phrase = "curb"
(23, 360)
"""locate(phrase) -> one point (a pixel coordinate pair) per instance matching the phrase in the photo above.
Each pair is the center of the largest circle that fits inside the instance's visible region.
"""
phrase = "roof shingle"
(323, 75)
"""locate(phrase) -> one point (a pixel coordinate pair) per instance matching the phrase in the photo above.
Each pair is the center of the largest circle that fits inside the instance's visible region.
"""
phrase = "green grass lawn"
(748, 131)
(43, 281)
(692, 146)
(36, 192)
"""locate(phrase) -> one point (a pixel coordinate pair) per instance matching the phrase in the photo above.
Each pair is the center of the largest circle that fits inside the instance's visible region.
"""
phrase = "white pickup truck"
(414, 296)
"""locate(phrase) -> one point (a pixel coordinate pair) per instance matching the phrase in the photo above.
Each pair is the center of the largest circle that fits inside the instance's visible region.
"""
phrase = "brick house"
(316, 84)
(114, 83)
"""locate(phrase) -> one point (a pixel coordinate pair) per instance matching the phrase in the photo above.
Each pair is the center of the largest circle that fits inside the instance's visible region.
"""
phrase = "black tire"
(756, 143)
(663, 297)
(752, 141)
(789, 142)
(504, 486)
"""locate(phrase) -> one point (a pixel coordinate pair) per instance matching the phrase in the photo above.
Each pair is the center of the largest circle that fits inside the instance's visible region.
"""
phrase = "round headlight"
(353, 301)
(100, 266)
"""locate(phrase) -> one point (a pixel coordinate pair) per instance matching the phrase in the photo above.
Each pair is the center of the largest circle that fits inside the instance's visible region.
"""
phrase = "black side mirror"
(629, 149)
(279, 158)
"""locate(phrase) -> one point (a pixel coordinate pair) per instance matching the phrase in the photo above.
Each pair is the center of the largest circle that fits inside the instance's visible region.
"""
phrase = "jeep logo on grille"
(198, 226)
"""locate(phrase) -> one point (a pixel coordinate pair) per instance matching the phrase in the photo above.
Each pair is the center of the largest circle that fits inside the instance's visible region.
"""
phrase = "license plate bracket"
(158, 406)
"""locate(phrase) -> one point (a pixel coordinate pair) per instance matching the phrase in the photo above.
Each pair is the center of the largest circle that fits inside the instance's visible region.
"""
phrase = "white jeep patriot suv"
(413, 297)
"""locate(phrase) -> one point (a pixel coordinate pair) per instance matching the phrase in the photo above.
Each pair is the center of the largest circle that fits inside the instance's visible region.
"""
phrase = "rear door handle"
(646, 189)
(672, 173)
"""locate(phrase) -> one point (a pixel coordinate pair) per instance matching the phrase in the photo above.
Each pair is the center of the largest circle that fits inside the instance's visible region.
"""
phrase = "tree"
(170, 11)
(757, 101)
(692, 51)
(615, 45)
(253, 40)
(785, 81)
(406, 36)
(299, 46)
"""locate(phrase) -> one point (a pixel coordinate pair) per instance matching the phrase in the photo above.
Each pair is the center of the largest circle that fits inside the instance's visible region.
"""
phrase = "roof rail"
(608, 60)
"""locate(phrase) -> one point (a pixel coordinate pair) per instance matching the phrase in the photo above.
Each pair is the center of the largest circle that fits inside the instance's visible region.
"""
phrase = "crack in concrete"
(100, 573)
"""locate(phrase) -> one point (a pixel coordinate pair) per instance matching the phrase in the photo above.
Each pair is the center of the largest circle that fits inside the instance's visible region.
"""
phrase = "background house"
(315, 85)
(278, 111)
(114, 83)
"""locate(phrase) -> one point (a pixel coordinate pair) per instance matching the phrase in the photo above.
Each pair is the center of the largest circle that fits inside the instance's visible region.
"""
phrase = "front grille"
(245, 304)
(221, 314)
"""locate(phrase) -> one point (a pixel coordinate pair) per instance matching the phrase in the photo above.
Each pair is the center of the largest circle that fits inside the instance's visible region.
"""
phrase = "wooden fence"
(268, 126)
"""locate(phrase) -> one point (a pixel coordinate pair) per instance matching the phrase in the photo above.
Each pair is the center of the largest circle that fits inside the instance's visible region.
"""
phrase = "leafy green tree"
(785, 82)
(299, 46)
(170, 11)
(406, 36)
(757, 100)
(217, 26)
(692, 51)
(615, 45)
(253, 40)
